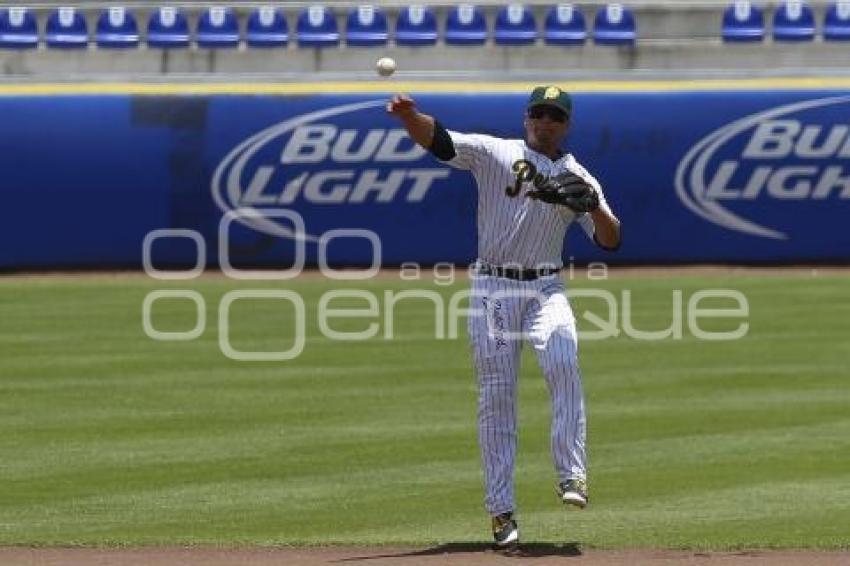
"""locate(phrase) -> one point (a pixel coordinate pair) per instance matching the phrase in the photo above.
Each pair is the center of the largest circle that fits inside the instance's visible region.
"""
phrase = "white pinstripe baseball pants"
(505, 312)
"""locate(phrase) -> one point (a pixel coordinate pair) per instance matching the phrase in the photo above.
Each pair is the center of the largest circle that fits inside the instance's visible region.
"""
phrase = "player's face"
(545, 127)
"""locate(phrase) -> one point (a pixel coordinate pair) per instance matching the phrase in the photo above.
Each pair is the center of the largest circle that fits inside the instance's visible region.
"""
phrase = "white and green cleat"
(573, 492)
(505, 531)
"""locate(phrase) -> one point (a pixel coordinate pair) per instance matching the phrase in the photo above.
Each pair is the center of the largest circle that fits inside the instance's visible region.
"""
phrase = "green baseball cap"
(551, 96)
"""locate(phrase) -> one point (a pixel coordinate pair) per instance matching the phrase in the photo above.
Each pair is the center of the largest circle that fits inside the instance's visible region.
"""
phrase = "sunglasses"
(538, 112)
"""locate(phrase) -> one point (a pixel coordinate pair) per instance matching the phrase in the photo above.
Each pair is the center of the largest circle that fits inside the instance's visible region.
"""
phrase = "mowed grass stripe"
(108, 437)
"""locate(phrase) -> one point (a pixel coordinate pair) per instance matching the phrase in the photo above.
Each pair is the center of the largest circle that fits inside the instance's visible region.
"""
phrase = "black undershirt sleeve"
(442, 146)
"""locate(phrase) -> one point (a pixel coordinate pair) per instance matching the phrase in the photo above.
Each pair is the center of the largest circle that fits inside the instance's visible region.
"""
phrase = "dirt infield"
(459, 554)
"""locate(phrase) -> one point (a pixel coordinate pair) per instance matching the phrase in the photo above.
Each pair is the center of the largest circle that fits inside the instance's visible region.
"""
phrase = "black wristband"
(442, 146)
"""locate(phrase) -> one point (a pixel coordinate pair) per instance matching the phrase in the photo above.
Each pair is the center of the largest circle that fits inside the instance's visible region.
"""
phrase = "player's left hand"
(567, 189)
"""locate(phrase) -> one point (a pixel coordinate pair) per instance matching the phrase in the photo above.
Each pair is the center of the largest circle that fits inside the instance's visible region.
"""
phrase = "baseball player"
(529, 192)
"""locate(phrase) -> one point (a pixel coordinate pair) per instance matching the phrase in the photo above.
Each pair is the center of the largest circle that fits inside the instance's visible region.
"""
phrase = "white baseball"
(385, 66)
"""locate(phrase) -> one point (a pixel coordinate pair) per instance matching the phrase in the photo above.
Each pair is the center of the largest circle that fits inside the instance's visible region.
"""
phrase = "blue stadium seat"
(416, 25)
(267, 27)
(742, 22)
(217, 28)
(793, 21)
(168, 28)
(66, 29)
(366, 27)
(18, 29)
(317, 27)
(564, 26)
(117, 28)
(836, 21)
(614, 25)
(466, 25)
(515, 25)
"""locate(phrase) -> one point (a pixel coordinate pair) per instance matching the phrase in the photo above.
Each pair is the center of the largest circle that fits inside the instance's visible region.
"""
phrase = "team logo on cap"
(552, 92)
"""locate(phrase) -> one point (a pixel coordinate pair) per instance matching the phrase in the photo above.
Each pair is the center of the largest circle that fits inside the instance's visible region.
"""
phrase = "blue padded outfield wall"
(695, 176)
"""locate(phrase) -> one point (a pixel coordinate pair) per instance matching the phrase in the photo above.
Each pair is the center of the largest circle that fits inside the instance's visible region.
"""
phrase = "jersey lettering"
(524, 171)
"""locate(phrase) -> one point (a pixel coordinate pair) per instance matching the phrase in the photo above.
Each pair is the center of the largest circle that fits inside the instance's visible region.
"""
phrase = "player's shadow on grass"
(528, 550)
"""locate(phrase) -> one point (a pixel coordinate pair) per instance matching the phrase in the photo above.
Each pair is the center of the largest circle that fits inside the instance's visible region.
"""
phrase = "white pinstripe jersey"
(516, 230)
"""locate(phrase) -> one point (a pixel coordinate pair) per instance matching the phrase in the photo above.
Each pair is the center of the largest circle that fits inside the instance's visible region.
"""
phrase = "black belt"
(516, 273)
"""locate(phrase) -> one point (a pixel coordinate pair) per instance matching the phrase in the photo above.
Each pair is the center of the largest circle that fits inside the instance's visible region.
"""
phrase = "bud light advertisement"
(740, 176)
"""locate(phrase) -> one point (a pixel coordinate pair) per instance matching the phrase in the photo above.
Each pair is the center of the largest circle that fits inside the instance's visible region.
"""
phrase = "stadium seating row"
(316, 26)
(792, 21)
(416, 25)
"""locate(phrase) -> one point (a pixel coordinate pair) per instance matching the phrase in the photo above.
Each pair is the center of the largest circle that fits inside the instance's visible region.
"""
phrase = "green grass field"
(109, 437)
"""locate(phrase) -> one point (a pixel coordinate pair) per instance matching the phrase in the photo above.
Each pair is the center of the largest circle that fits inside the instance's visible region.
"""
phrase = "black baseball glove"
(567, 189)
